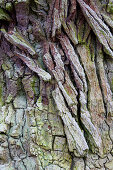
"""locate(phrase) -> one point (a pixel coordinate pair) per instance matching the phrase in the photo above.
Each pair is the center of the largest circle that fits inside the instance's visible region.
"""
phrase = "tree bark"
(56, 85)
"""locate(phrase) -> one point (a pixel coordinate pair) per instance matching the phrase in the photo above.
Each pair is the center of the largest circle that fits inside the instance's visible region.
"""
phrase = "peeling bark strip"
(55, 65)
(49, 18)
(16, 39)
(22, 14)
(59, 65)
(100, 29)
(73, 58)
(19, 41)
(75, 137)
(71, 31)
(107, 19)
(72, 10)
(58, 72)
(92, 132)
(56, 18)
(85, 116)
(106, 91)
(33, 66)
(96, 105)
(63, 9)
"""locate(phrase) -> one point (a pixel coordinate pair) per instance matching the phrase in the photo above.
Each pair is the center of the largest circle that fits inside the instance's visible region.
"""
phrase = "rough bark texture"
(56, 84)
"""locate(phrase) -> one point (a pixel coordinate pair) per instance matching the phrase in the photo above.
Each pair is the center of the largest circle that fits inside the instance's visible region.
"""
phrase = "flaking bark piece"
(49, 19)
(56, 19)
(73, 58)
(94, 6)
(92, 132)
(57, 57)
(33, 66)
(72, 93)
(18, 40)
(54, 63)
(38, 30)
(71, 30)
(107, 94)
(72, 10)
(71, 100)
(99, 27)
(71, 103)
(48, 61)
(63, 9)
(59, 73)
(22, 13)
(96, 105)
(59, 65)
(18, 1)
(107, 19)
(78, 81)
(75, 137)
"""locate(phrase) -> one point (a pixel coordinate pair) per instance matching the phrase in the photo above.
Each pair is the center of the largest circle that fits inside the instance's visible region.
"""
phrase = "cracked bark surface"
(56, 85)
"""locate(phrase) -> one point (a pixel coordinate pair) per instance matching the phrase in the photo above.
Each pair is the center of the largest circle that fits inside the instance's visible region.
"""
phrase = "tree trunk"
(56, 84)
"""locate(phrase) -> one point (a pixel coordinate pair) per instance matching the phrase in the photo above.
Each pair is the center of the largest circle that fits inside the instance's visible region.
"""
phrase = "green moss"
(0, 94)
(2, 3)
(80, 33)
(5, 67)
(90, 50)
(9, 6)
(112, 84)
(4, 15)
(110, 7)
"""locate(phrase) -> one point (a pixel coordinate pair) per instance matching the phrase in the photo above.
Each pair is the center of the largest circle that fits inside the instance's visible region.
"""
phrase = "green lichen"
(45, 140)
(9, 98)
(52, 107)
(34, 85)
(39, 103)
